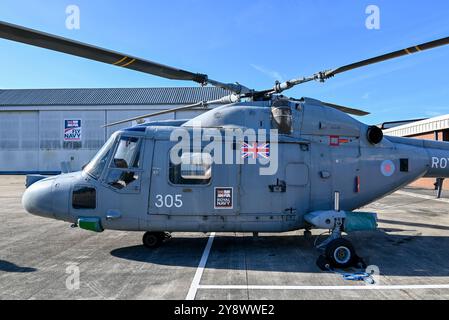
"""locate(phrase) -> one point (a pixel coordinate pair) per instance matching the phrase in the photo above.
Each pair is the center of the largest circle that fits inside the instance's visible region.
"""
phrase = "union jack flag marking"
(255, 150)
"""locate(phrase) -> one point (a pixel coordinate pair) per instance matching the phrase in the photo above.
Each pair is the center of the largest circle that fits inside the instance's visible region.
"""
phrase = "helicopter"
(260, 162)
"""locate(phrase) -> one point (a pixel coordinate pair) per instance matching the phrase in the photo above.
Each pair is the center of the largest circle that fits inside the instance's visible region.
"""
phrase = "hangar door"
(19, 141)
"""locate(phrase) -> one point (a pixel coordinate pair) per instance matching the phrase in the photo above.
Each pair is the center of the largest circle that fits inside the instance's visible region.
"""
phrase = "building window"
(72, 145)
(195, 168)
(84, 197)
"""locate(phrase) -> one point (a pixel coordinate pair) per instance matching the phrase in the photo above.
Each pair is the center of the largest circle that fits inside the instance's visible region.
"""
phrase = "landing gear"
(307, 234)
(340, 253)
(153, 240)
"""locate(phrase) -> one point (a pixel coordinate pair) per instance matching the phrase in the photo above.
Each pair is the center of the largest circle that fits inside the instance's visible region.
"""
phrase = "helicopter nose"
(38, 199)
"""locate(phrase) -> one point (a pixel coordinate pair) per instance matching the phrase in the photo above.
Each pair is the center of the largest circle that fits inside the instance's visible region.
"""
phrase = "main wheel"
(153, 239)
(340, 253)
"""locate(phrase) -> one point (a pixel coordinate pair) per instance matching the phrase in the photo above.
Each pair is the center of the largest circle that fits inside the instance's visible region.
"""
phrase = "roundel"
(387, 168)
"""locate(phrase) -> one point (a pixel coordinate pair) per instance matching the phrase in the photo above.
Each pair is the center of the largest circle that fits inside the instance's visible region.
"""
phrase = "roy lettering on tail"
(440, 163)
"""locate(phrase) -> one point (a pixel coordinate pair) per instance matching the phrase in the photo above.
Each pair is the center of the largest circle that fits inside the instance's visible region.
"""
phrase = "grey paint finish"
(360, 171)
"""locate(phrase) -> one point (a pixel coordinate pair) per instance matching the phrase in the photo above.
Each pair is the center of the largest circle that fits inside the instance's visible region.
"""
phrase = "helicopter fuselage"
(134, 184)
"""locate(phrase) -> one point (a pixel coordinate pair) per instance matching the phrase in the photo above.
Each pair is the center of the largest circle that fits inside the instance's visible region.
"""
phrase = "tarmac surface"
(40, 257)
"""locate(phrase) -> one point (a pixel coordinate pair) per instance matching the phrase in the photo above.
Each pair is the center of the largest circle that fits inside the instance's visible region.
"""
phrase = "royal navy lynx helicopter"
(327, 164)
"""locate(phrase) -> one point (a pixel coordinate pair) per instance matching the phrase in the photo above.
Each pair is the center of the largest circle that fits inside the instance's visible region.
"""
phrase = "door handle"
(113, 215)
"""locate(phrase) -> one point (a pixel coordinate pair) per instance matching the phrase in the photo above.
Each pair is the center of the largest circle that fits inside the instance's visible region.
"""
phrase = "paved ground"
(411, 250)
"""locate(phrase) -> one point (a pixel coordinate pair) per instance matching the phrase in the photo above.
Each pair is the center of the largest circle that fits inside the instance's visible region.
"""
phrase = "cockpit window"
(127, 154)
(123, 172)
(97, 164)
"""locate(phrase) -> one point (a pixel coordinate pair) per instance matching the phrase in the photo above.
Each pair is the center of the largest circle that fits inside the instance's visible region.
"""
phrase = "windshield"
(97, 164)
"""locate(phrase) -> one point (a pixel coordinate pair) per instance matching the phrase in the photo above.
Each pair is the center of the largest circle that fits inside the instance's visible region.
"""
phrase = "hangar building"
(436, 128)
(41, 128)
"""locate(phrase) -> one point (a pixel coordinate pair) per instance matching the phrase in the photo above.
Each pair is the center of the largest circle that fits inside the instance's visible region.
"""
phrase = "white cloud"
(271, 73)
(366, 96)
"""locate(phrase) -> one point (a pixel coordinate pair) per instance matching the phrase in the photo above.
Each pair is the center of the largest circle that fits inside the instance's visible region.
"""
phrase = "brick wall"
(427, 183)
(428, 136)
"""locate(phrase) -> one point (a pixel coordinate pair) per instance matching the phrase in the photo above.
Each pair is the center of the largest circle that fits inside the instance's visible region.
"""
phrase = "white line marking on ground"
(354, 287)
(422, 196)
(199, 271)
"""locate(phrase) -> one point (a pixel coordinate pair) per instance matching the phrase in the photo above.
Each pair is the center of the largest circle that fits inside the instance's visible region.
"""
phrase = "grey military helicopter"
(328, 163)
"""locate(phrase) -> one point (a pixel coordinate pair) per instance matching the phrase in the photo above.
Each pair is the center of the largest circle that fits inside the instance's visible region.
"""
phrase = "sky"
(253, 42)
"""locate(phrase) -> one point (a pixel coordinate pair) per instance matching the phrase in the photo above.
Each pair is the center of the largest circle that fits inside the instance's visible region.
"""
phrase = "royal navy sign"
(223, 198)
(72, 130)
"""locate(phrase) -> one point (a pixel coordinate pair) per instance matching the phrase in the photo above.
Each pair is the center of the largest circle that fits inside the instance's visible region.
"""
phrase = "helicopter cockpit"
(121, 156)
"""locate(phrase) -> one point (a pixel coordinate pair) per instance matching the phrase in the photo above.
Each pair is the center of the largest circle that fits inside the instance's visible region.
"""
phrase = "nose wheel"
(154, 240)
(340, 253)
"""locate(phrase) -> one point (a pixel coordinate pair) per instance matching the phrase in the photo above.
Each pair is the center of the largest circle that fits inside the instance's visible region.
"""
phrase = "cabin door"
(195, 186)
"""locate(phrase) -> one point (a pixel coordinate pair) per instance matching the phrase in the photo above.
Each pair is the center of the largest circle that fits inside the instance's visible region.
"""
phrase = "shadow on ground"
(395, 255)
(7, 266)
(415, 224)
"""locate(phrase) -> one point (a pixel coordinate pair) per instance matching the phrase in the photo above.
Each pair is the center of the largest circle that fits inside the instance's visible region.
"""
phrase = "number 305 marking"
(168, 201)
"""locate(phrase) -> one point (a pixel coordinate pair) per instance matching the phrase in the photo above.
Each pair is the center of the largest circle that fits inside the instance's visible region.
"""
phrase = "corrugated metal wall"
(19, 141)
(32, 141)
(52, 148)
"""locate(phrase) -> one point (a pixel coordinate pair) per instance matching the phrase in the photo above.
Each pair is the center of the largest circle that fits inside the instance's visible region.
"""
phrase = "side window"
(195, 168)
(127, 154)
(123, 171)
(84, 197)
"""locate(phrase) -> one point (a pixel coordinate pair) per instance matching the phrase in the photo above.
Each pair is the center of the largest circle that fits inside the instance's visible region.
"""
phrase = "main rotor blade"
(324, 75)
(356, 112)
(149, 115)
(48, 41)
(202, 104)
(388, 56)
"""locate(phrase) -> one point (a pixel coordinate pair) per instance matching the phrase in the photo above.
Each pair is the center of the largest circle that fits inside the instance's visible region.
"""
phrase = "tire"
(152, 240)
(340, 253)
